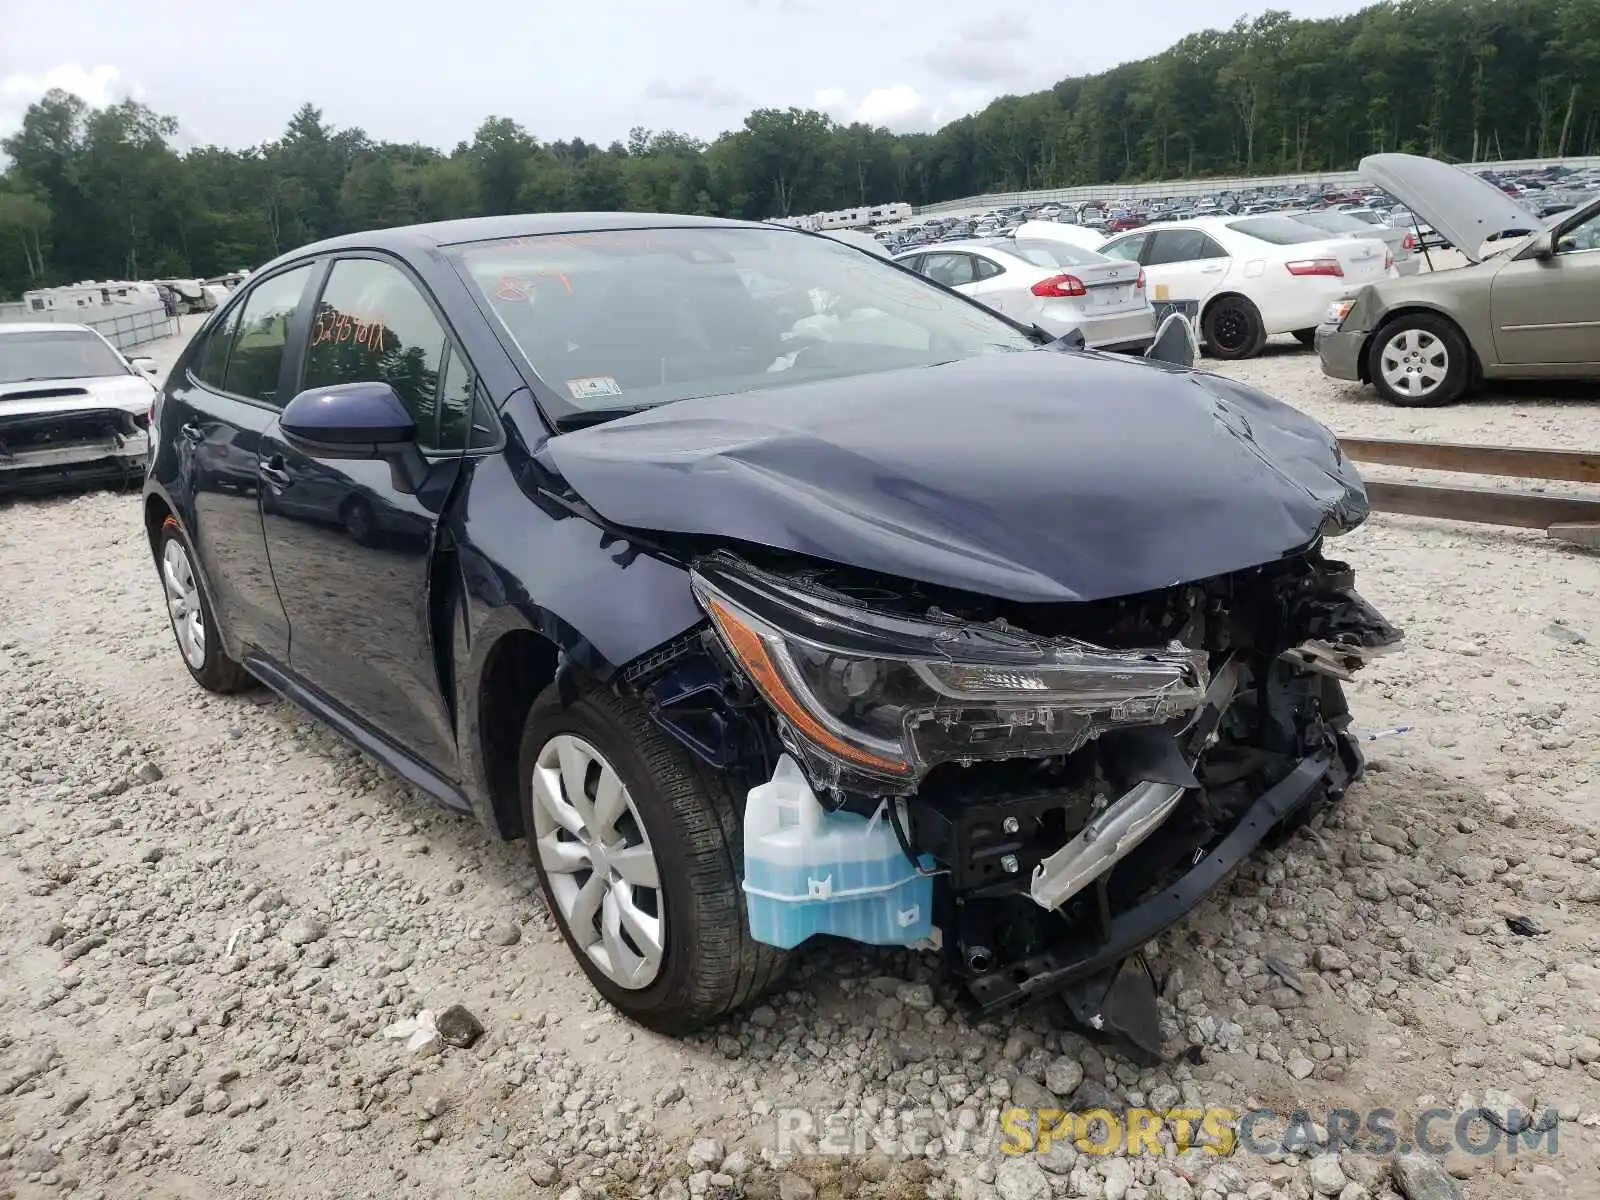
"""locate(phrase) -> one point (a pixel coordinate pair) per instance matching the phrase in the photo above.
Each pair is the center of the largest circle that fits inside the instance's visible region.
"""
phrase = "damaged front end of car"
(44, 451)
(1057, 782)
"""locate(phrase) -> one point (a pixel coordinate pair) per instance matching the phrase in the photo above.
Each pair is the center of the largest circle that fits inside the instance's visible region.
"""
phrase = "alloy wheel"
(1414, 363)
(597, 860)
(183, 603)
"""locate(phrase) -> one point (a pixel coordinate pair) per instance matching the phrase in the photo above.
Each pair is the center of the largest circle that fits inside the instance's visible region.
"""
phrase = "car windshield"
(633, 318)
(1055, 254)
(56, 354)
(1278, 230)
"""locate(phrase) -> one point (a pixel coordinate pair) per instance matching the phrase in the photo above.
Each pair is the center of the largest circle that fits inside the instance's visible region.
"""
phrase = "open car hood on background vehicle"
(1465, 210)
(1042, 476)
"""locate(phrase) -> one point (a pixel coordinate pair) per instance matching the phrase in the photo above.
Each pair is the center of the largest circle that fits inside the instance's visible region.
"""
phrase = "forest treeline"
(99, 193)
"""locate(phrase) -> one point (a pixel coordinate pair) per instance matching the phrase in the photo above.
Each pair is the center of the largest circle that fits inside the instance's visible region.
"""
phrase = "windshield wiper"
(568, 422)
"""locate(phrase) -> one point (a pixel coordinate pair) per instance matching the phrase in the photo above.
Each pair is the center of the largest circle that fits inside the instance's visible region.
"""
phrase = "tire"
(199, 641)
(1419, 360)
(1306, 337)
(686, 820)
(1233, 329)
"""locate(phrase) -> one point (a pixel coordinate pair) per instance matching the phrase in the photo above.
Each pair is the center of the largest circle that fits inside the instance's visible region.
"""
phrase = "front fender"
(595, 602)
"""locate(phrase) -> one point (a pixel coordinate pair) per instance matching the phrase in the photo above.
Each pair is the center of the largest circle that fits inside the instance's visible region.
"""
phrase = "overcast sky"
(232, 71)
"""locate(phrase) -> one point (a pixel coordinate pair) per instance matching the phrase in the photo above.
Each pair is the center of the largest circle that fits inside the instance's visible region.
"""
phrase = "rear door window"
(255, 363)
(1181, 246)
(985, 268)
(952, 270)
(210, 363)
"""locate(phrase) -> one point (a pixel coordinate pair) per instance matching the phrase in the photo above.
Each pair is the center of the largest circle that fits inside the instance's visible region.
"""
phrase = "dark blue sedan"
(769, 591)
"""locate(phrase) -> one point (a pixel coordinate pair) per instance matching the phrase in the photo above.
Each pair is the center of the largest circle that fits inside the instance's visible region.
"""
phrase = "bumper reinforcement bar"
(1081, 957)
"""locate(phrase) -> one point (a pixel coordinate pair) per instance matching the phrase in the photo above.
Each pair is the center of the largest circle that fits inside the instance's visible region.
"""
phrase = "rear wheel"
(1233, 328)
(193, 623)
(640, 857)
(1419, 360)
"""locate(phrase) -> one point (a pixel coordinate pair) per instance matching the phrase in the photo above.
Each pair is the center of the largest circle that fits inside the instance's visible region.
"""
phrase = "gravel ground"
(210, 910)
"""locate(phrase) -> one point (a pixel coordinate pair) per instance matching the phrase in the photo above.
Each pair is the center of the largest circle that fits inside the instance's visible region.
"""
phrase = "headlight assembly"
(884, 697)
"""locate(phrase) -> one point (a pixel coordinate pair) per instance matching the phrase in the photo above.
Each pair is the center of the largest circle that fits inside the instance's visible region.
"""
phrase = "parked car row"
(1274, 268)
(1241, 279)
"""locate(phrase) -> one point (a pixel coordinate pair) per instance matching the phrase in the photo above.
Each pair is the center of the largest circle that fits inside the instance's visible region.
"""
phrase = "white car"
(1053, 285)
(1246, 278)
(73, 410)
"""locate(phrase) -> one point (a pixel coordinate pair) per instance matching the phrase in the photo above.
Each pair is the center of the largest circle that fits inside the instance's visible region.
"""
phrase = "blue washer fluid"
(810, 871)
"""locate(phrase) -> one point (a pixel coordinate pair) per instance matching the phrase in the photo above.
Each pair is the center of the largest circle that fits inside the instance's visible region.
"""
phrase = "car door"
(353, 553)
(1183, 266)
(221, 407)
(1546, 312)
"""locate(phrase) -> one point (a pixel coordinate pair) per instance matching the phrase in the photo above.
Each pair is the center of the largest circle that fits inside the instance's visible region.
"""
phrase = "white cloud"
(975, 62)
(98, 86)
(702, 89)
(900, 107)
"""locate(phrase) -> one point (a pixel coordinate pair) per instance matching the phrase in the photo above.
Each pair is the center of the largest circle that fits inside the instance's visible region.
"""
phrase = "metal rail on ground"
(1574, 519)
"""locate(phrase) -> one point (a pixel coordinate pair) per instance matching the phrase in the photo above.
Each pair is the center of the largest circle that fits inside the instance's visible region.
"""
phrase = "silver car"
(1051, 284)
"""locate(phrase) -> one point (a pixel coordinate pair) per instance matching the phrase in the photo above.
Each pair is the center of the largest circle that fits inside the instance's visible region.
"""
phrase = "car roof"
(1223, 222)
(42, 327)
(403, 239)
(957, 244)
(483, 229)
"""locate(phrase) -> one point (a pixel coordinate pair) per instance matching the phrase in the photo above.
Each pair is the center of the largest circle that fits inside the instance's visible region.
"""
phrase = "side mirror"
(1543, 247)
(356, 421)
(146, 365)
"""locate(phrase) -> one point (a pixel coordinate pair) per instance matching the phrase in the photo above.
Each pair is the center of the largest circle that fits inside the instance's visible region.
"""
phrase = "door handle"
(273, 472)
(1211, 270)
(193, 434)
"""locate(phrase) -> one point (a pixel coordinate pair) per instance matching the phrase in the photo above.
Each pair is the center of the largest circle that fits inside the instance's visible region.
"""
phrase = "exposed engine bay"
(1071, 778)
(41, 450)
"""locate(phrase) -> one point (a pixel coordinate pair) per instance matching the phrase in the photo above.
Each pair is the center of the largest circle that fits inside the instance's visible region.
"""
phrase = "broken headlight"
(884, 697)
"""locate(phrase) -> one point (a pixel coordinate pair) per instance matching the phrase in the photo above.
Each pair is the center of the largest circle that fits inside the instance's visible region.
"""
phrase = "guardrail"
(125, 327)
(1112, 192)
(1573, 519)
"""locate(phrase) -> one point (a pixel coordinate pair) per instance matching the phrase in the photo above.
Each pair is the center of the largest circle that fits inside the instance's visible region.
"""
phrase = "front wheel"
(193, 622)
(639, 853)
(1233, 329)
(1419, 360)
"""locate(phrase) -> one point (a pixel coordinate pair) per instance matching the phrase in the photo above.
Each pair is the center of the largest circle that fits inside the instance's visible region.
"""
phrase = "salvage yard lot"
(210, 908)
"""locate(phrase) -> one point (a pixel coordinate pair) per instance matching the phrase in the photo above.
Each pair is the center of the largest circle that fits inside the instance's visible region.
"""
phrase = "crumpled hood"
(1464, 209)
(132, 393)
(1042, 476)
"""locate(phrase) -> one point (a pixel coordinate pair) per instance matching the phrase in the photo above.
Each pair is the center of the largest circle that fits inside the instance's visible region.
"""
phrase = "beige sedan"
(1527, 306)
